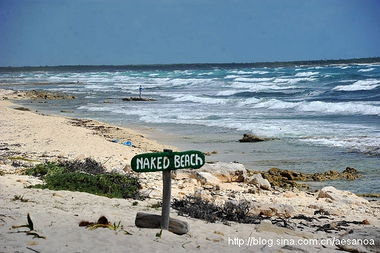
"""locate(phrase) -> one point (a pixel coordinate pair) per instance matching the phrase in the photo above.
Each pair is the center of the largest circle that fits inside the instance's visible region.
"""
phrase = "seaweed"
(104, 223)
(196, 207)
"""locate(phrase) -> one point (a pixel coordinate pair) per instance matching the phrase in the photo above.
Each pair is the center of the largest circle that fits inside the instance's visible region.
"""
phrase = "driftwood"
(146, 220)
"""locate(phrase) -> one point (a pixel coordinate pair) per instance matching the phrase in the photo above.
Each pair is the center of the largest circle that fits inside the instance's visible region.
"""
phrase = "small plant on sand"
(43, 169)
(87, 176)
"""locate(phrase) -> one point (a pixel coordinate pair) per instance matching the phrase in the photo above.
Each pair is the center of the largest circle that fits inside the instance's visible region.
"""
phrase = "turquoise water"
(325, 117)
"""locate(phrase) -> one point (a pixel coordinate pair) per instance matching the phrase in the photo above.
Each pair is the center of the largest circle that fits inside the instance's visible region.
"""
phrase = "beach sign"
(166, 162)
(161, 161)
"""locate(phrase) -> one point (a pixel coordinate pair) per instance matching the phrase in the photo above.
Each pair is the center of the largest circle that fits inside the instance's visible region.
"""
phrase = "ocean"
(323, 117)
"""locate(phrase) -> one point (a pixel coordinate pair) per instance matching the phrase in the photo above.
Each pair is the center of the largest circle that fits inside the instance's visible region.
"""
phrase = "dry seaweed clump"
(196, 207)
(87, 176)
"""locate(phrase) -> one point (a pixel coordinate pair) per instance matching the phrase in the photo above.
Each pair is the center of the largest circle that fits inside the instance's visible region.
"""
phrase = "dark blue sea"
(322, 116)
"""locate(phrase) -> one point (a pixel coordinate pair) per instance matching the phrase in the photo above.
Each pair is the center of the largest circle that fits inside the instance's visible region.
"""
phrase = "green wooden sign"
(163, 161)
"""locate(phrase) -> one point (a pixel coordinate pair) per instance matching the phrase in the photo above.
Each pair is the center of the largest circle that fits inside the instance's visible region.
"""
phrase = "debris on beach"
(30, 226)
(103, 222)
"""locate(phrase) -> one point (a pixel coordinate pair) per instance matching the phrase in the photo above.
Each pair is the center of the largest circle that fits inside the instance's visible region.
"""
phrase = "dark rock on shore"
(253, 138)
(138, 99)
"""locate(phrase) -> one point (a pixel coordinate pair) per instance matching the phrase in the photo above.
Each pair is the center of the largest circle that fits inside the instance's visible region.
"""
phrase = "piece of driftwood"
(146, 220)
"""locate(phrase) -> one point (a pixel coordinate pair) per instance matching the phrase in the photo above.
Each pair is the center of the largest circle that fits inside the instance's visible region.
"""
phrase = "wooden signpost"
(166, 162)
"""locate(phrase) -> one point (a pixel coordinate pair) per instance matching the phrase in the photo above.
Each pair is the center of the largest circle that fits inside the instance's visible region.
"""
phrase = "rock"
(253, 189)
(344, 197)
(146, 220)
(253, 138)
(211, 153)
(206, 178)
(278, 210)
(203, 194)
(226, 172)
(259, 181)
(138, 99)
(362, 240)
(350, 173)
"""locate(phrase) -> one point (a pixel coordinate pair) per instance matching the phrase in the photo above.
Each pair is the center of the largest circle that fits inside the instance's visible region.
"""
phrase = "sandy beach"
(28, 138)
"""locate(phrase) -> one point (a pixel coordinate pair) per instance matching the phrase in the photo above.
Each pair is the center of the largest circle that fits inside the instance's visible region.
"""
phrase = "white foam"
(254, 87)
(306, 74)
(276, 104)
(343, 108)
(369, 84)
(231, 76)
(228, 92)
(201, 100)
(252, 80)
(363, 144)
(366, 70)
(249, 101)
(293, 80)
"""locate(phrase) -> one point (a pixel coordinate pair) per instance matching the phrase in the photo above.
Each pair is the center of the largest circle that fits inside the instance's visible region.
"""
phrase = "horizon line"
(374, 59)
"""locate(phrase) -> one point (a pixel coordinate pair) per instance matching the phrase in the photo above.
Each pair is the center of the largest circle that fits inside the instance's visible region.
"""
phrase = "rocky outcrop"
(287, 178)
(226, 172)
(253, 138)
(271, 210)
(138, 99)
(41, 94)
(206, 178)
(339, 196)
(259, 181)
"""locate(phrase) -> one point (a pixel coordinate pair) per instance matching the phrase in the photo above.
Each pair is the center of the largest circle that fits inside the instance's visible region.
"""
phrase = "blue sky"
(117, 32)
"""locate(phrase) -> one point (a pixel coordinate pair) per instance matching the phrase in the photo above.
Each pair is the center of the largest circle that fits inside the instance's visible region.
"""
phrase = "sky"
(122, 32)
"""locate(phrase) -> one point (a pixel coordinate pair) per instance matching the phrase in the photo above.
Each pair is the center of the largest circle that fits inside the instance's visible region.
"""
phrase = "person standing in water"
(140, 91)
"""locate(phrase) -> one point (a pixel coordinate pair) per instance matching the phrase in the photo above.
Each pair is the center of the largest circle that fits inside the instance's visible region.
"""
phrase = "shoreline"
(56, 214)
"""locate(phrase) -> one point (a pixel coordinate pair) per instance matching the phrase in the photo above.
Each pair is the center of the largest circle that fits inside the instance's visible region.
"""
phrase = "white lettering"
(166, 162)
(159, 162)
(182, 162)
(199, 160)
(187, 161)
(177, 161)
(192, 160)
(152, 162)
(146, 163)
(139, 163)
